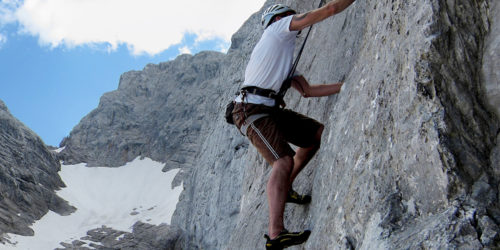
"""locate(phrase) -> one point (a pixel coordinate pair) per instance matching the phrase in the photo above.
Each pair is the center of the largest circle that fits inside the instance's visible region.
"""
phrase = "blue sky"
(53, 75)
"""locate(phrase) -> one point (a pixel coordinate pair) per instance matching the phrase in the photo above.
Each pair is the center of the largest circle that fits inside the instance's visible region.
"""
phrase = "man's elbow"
(331, 9)
(338, 6)
(307, 93)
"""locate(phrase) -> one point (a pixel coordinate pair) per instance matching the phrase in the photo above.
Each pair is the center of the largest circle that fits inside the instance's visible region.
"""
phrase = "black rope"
(288, 81)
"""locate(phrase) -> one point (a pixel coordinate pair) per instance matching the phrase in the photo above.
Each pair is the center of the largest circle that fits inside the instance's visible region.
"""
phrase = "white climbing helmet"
(272, 11)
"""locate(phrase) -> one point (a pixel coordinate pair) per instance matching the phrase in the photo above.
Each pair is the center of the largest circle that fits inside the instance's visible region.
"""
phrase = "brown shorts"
(272, 134)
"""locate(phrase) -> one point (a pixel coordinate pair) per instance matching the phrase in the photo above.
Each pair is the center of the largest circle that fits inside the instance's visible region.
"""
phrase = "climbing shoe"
(286, 239)
(294, 197)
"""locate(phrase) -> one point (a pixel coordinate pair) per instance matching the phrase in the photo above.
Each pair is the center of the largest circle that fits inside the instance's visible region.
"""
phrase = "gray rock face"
(409, 157)
(143, 237)
(491, 58)
(150, 114)
(405, 159)
(28, 177)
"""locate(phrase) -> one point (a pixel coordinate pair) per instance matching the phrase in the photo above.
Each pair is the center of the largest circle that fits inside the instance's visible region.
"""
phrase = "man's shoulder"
(281, 26)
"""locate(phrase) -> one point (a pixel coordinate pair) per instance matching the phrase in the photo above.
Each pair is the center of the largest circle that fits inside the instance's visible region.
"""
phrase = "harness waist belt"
(251, 119)
(269, 93)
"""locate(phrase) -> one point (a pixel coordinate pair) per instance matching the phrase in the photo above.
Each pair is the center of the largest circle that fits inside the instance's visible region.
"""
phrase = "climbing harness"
(269, 93)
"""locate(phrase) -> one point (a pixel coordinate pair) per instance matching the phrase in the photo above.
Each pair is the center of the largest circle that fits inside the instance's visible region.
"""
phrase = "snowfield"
(114, 197)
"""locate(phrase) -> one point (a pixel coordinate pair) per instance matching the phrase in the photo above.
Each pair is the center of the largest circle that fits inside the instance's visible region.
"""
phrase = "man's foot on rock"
(286, 239)
(294, 197)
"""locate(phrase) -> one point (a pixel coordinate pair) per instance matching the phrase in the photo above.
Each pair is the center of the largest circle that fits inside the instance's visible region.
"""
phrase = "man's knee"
(319, 132)
(284, 164)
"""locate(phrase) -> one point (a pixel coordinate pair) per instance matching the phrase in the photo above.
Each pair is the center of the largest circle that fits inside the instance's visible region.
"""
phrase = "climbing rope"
(288, 82)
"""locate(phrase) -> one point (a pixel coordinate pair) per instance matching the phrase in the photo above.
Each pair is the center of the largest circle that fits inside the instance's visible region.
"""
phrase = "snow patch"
(59, 149)
(105, 196)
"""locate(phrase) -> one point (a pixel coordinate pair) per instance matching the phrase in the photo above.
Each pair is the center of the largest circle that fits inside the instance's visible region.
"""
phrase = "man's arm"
(302, 85)
(301, 21)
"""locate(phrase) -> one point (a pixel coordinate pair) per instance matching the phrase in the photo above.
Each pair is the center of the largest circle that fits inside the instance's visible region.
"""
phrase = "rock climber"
(269, 127)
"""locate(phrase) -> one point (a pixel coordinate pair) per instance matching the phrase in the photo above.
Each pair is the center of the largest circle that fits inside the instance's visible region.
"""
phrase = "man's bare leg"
(277, 189)
(304, 155)
(284, 172)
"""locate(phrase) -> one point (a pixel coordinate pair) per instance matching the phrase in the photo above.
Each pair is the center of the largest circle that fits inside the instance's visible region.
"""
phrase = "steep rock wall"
(157, 112)
(409, 157)
(491, 58)
(405, 159)
(28, 177)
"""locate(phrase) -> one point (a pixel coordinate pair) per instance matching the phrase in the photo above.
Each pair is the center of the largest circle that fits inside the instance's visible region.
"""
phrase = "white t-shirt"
(271, 60)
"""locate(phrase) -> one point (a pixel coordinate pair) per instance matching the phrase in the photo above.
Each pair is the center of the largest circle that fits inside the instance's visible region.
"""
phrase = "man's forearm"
(301, 21)
(323, 89)
(339, 5)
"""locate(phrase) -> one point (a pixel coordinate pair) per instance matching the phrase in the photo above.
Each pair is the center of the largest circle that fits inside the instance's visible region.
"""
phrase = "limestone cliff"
(405, 160)
(157, 112)
(409, 157)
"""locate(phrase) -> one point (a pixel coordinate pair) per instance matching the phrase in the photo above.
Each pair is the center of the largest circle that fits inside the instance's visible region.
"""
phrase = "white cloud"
(3, 40)
(222, 47)
(146, 26)
(185, 50)
(7, 8)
